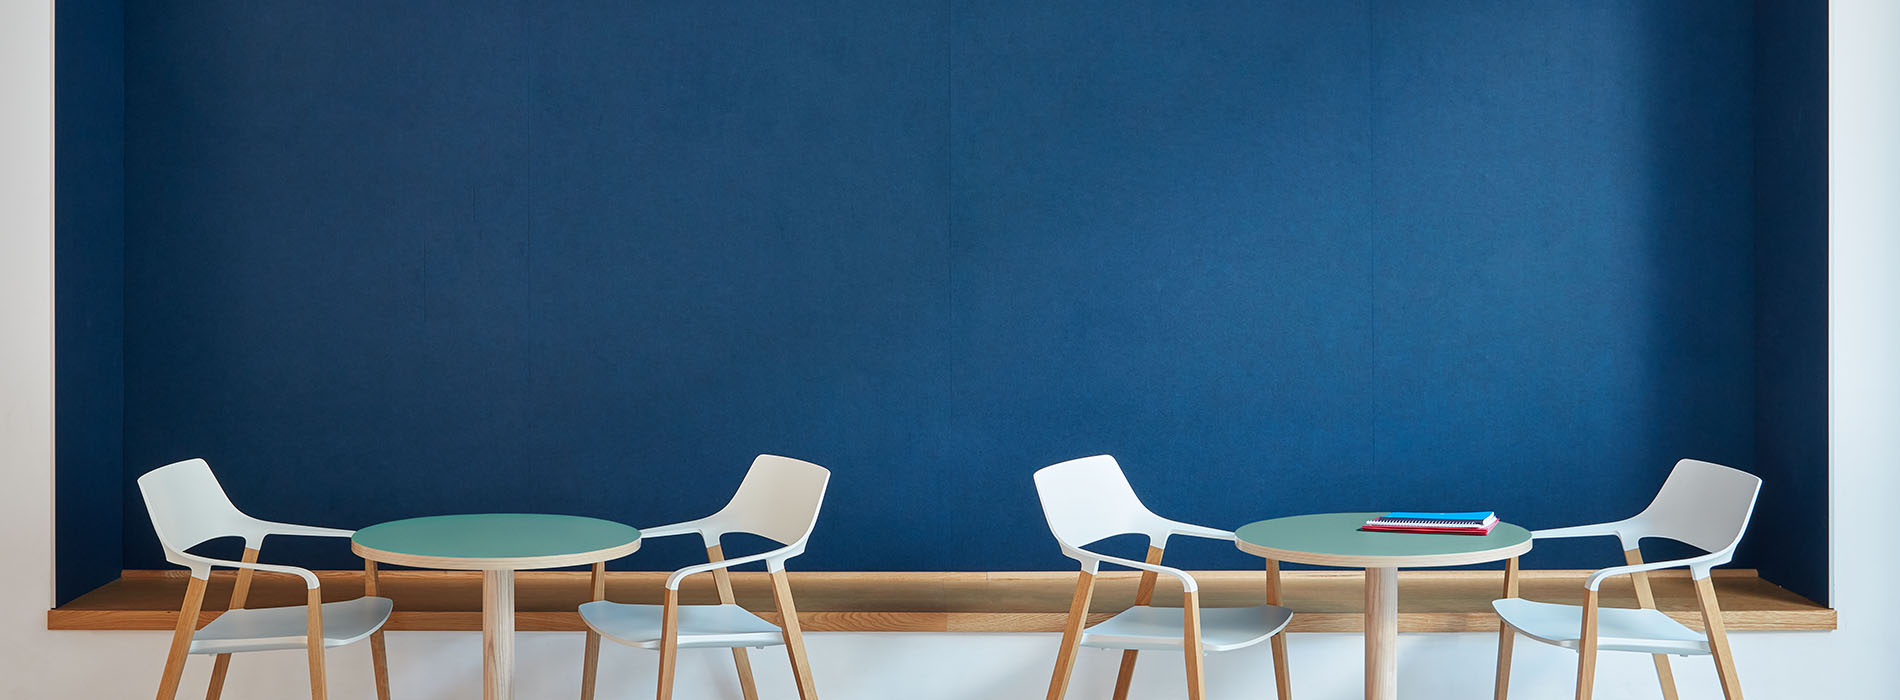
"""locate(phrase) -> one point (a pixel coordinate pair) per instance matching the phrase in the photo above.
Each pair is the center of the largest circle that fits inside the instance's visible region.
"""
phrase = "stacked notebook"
(1475, 523)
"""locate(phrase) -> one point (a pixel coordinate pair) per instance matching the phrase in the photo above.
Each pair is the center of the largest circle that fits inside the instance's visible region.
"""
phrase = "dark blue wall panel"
(1791, 294)
(89, 289)
(386, 260)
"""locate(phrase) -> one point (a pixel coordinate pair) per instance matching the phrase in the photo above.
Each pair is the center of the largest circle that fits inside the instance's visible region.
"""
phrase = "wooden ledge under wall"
(1323, 601)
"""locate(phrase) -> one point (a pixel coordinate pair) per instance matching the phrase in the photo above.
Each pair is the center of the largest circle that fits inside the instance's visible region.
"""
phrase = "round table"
(1334, 539)
(496, 544)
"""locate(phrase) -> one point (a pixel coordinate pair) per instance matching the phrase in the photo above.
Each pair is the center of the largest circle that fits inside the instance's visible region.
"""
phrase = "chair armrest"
(690, 527)
(270, 528)
(1092, 561)
(1190, 530)
(1698, 568)
(774, 561)
(1615, 529)
(201, 567)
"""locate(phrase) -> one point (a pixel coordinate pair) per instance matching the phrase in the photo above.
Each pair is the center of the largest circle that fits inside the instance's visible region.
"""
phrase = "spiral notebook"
(1464, 523)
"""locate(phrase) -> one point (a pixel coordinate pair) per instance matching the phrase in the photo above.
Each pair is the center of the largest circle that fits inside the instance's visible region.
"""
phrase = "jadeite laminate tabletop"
(1334, 539)
(496, 541)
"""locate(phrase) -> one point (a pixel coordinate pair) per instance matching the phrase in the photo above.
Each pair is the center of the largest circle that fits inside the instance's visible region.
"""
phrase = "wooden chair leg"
(314, 644)
(181, 639)
(1072, 635)
(1647, 599)
(1506, 635)
(378, 653)
(590, 661)
(722, 579)
(1587, 648)
(669, 642)
(1144, 594)
(1282, 675)
(794, 636)
(238, 594)
(1717, 632)
(1191, 645)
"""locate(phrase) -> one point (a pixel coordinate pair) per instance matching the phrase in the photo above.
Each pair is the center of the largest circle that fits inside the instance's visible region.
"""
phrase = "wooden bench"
(1324, 601)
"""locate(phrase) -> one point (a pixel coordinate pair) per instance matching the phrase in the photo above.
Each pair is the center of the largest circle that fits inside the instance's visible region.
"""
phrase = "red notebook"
(1486, 530)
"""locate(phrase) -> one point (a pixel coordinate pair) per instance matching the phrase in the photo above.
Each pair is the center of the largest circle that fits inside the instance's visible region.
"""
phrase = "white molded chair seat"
(1701, 504)
(1618, 629)
(1089, 500)
(1222, 629)
(778, 500)
(267, 629)
(701, 626)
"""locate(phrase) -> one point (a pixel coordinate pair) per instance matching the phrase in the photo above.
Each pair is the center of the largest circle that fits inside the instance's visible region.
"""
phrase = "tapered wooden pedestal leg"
(1382, 634)
(498, 634)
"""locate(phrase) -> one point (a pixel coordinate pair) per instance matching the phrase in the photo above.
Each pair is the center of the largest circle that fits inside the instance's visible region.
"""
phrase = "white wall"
(1855, 661)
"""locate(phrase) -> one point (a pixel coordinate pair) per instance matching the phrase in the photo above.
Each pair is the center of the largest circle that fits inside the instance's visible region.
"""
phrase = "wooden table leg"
(1382, 634)
(498, 634)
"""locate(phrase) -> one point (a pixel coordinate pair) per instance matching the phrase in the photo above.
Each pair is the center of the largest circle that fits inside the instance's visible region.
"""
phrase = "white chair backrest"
(1702, 504)
(1086, 500)
(778, 500)
(188, 507)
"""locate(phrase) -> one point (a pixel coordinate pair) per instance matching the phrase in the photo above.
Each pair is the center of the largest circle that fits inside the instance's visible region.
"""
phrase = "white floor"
(864, 666)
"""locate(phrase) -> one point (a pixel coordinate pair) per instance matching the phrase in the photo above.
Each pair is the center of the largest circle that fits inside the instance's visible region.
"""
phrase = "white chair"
(189, 508)
(779, 500)
(1701, 504)
(1087, 500)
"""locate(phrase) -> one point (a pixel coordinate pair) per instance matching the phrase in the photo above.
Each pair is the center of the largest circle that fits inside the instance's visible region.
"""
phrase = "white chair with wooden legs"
(1087, 500)
(189, 508)
(778, 500)
(1703, 505)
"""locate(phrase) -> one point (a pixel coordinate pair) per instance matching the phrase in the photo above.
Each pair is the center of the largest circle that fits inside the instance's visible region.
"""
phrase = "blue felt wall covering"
(1791, 372)
(396, 259)
(89, 279)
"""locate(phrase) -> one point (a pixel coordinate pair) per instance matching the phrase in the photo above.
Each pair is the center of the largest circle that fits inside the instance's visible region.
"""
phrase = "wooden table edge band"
(1385, 561)
(494, 563)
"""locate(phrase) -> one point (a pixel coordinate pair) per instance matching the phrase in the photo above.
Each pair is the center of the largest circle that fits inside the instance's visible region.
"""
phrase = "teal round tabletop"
(495, 541)
(1334, 539)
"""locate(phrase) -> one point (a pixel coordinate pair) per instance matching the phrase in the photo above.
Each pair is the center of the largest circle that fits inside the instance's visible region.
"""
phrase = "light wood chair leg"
(314, 644)
(1587, 648)
(181, 639)
(794, 636)
(1717, 631)
(1647, 599)
(590, 661)
(238, 594)
(1144, 594)
(1191, 645)
(741, 662)
(378, 653)
(1282, 676)
(669, 642)
(1072, 635)
(1506, 635)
